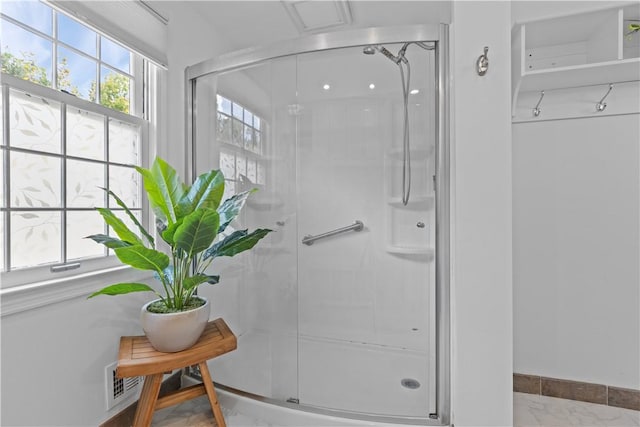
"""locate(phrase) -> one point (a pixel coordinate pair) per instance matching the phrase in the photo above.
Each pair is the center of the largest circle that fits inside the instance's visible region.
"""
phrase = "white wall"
(576, 249)
(481, 291)
(576, 187)
(53, 357)
(190, 40)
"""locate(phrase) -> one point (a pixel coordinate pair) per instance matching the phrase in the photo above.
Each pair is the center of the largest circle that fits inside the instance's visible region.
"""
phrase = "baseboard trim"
(576, 390)
(126, 416)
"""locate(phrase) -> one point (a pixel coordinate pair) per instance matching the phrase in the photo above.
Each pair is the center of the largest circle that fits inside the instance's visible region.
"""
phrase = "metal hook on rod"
(536, 109)
(600, 106)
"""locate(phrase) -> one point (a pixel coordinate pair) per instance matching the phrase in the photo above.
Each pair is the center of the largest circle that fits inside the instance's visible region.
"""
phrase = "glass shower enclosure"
(343, 309)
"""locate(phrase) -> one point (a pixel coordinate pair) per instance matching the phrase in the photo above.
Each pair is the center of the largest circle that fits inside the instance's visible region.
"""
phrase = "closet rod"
(555, 119)
(583, 86)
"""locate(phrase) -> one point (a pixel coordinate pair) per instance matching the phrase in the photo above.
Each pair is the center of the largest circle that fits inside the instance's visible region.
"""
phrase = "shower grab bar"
(356, 226)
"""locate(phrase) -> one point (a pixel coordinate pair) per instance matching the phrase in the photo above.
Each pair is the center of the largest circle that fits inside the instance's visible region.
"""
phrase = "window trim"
(39, 294)
(24, 277)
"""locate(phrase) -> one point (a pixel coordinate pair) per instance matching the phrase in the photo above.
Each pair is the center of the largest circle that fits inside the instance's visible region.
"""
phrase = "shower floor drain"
(410, 383)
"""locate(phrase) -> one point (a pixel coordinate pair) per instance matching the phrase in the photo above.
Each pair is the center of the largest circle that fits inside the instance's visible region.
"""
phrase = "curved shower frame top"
(353, 38)
(314, 43)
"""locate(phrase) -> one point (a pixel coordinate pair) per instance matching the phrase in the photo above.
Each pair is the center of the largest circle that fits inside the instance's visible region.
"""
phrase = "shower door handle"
(356, 226)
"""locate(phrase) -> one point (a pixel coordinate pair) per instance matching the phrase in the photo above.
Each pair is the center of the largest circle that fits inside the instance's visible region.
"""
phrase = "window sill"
(34, 295)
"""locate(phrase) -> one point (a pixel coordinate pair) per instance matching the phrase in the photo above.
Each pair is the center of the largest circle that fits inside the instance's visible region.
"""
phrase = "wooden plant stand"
(137, 357)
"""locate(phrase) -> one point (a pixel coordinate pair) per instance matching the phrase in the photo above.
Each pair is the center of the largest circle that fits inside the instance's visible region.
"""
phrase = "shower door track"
(363, 37)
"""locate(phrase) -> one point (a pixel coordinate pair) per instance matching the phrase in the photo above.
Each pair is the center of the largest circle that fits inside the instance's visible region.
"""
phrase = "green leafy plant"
(191, 220)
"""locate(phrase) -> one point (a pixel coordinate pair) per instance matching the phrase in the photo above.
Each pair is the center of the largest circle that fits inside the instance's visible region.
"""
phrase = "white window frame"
(44, 273)
(26, 291)
(136, 62)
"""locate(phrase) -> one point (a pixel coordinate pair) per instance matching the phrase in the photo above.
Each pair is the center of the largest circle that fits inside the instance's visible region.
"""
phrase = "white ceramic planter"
(173, 332)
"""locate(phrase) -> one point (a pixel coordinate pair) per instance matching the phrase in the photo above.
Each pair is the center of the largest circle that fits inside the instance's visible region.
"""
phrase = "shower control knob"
(420, 224)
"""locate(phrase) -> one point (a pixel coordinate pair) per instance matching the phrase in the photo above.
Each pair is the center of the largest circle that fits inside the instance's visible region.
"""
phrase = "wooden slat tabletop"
(138, 357)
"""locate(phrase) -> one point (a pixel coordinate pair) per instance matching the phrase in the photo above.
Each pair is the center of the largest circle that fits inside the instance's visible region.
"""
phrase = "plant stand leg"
(147, 402)
(211, 393)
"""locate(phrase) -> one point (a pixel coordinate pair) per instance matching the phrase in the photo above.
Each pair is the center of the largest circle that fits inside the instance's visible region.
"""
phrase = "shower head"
(369, 50)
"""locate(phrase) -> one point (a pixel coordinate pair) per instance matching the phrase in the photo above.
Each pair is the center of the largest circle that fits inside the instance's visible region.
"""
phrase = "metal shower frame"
(354, 38)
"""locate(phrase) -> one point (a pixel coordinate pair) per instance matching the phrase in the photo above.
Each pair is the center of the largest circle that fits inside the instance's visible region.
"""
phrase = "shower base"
(243, 411)
(329, 374)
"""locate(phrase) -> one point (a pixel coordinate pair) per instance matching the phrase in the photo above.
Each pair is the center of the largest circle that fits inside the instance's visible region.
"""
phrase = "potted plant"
(193, 223)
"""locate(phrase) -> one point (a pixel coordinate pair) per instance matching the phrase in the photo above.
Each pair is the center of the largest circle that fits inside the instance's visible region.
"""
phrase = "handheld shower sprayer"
(370, 50)
(383, 50)
(402, 63)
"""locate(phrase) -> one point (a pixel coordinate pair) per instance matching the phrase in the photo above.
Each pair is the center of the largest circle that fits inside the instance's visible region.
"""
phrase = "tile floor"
(535, 411)
(528, 410)
(197, 413)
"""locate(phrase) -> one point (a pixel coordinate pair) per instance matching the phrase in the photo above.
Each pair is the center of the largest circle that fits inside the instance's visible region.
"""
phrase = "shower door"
(348, 322)
(364, 296)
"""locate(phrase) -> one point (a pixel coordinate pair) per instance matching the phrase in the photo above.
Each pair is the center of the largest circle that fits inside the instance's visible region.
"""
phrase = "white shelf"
(572, 51)
(415, 202)
(582, 75)
(406, 250)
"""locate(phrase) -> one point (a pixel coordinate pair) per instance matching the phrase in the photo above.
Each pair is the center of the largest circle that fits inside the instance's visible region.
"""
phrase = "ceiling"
(255, 23)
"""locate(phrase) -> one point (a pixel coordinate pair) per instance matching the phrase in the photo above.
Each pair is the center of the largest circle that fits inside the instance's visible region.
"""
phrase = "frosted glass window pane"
(85, 134)
(256, 122)
(229, 189)
(34, 123)
(261, 173)
(251, 171)
(241, 167)
(224, 128)
(32, 13)
(79, 226)
(35, 238)
(238, 132)
(228, 164)
(26, 48)
(224, 105)
(35, 180)
(125, 182)
(76, 35)
(248, 138)
(114, 54)
(114, 90)
(84, 180)
(76, 74)
(257, 139)
(124, 142)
